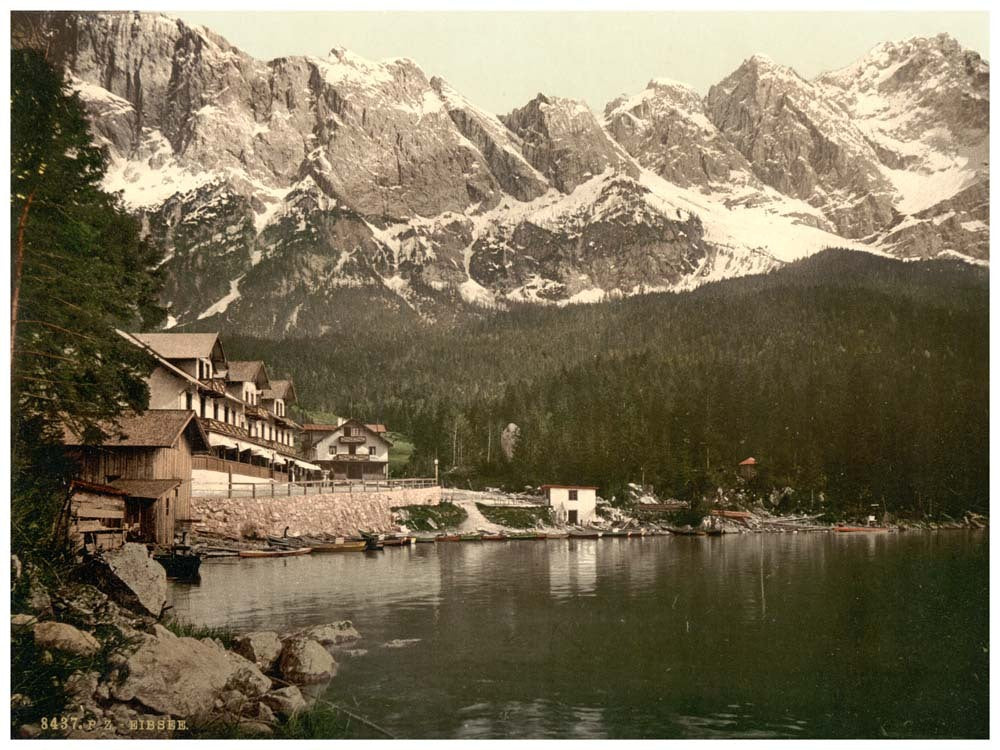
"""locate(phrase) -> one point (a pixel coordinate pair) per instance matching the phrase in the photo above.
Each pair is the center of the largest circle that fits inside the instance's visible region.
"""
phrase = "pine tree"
(78, 271)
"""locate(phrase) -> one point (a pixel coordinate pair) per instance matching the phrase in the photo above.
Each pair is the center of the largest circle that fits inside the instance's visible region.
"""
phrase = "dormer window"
(347, 431)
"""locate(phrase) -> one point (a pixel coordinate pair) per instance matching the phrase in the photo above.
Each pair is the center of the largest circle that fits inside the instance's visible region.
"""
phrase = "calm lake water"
(790, 635)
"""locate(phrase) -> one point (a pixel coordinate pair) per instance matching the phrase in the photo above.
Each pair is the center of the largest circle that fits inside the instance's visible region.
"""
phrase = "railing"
(211, 463)
(493, 498)
(318, 487)
(232, 430)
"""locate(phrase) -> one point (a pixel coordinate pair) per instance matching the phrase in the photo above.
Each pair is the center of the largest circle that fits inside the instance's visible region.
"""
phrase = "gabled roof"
(283, 389)
(749, 461)
(146, 488)
(183, 345)
(156, 428)
(359, 423)
(379, 428)
(567, 487)
(319, 427)
(102, 489)
(247, 371)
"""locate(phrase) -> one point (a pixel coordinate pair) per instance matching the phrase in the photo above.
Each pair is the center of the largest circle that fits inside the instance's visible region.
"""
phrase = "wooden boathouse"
(148, 458)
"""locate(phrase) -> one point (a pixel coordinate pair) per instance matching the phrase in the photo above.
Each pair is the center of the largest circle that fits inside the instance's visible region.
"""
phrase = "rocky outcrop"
(185, 676)
(261, 647)
(304, 661)
(331, 634)
(63, 637)
(285, 702)
(564, 141)
(133, 578)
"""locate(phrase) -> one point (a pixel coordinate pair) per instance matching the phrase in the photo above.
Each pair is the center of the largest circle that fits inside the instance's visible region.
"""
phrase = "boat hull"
(180, 567)
(275, 552)
(342, 547)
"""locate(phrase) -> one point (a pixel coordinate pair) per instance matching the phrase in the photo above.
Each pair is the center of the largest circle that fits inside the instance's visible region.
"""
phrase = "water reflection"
(792, 635)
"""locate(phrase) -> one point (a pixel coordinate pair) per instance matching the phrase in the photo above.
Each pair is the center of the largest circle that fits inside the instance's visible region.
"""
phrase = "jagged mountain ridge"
(281, 188)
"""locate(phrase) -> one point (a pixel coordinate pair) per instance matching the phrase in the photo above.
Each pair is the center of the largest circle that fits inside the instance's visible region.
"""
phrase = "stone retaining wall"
(338, 513)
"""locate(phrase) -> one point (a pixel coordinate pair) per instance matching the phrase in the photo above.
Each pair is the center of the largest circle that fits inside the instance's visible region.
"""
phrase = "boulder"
(19, 621)
(304, 660)
(331, 634)
(265, 714)
(285, 702)
(133, 578)
(246, 676)
(59, 636)
(262, 647)
(184, 676)
(81, 686)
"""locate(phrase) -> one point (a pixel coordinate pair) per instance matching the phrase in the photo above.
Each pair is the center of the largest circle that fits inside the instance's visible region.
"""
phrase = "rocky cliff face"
(288, 192)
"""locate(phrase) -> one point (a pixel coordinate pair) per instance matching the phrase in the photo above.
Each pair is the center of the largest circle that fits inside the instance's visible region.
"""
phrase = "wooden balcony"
(216, 385)
(352, 439)
(235, 431)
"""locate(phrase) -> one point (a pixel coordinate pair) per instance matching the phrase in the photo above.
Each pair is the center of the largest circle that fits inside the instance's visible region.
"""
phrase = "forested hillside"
(858, 376)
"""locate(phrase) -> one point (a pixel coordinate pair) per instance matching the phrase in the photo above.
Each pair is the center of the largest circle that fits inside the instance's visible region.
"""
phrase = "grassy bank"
(516, 518)
(226, 636)
(432, 517)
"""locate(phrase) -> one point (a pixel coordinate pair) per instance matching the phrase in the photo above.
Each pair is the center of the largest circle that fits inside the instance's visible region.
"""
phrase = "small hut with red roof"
(748, 468)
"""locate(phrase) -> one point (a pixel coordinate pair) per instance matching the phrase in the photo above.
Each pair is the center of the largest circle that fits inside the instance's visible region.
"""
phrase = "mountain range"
(283, 190)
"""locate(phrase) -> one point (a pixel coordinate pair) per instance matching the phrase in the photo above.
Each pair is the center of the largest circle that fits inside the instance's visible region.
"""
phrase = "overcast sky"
(501, 60)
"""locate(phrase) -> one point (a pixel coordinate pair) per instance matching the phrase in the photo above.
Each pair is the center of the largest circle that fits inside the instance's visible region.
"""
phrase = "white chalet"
(349, 450)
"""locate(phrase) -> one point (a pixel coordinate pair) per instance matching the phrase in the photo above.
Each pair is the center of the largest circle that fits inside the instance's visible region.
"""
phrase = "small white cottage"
(570, 503)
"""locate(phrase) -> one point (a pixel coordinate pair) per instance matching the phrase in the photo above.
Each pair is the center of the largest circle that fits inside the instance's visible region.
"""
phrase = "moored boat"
(471, 537)
(845, 529)
(275, 552)
(522, 535)
(585, 534)
(448, 538)
(495, 537)
(424, 539)
(345, 546)
(181, 565)
(556, 534)
(685, 531)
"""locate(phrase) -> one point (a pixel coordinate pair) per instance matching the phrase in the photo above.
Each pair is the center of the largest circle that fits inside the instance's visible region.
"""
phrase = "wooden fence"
(317, 487)
(493, 498)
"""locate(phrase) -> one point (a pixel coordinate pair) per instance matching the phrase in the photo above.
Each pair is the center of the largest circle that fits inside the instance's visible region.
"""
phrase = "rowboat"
(616, 532)
(275, 552)
(425, 539)
(585, 534)
(181, 566)
(396, 541)
(448, 538)
(859, 528)
(340, 546)
(471, 537)
(556, 534)
(495, 537)
(522, 535)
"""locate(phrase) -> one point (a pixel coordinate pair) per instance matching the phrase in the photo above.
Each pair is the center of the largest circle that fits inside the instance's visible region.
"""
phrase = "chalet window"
(189, 400)
(333, 448)
(226, 414)
(352, 450)
(371, 450)
(215, 409)
(204, 409)
(572, 495)
(347, 431)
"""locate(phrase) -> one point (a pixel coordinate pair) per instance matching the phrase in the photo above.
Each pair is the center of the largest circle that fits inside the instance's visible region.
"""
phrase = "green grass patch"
(517, 518)
(227, 636)
(399, 453)
(443, 515)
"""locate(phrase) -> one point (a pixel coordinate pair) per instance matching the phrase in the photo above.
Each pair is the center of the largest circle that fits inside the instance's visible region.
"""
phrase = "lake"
(778, 635)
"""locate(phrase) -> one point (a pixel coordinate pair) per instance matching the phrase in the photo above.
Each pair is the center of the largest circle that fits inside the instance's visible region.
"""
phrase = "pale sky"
(502, 60)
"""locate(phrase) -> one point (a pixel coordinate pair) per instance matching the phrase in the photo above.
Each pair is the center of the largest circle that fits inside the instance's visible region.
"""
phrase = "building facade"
(243, 414)
(571, 504)
(351, 450)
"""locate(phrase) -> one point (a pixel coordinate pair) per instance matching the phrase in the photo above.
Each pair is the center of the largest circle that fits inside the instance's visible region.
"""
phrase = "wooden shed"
(153, 445)
(748, 468)
(96, 516)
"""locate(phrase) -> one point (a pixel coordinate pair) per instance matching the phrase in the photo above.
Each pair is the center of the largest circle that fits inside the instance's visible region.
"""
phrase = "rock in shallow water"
(304, 660)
